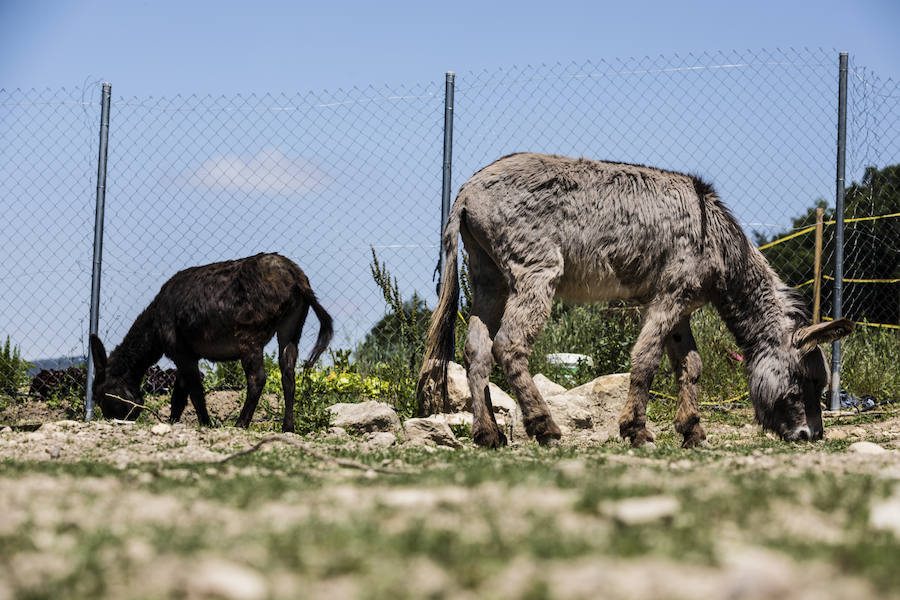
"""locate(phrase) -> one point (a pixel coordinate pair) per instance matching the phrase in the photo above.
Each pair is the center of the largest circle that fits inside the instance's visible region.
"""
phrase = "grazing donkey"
(535, 226)
(223, 311)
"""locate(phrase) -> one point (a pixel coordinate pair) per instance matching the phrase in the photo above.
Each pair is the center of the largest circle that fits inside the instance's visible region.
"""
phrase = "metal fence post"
(98, 244)
(448, 162)
(839, 228)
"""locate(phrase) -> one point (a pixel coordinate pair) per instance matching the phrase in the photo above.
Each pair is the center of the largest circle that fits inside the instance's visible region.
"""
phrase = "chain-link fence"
(326, 178)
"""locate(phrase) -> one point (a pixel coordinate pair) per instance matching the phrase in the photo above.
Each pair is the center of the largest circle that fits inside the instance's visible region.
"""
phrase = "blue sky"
(360, 141)
(165, 47)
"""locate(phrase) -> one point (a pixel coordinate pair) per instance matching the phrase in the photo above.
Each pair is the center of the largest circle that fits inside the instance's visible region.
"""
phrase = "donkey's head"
(115, 396)
(786, 385)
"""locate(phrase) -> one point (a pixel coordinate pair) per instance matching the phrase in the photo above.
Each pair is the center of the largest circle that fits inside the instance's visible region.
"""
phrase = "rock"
(54, 452)
(6, 429)
(377, 440)
(547, 387)
(429, 431)
(365, 416)
(161, 429)
(458, 395)
(337, 433)
(866, 448)
(885, 516)
(596, 404)
(858, 432)
(837, 434)
(225, 580)
(459, 398)
(640, 511)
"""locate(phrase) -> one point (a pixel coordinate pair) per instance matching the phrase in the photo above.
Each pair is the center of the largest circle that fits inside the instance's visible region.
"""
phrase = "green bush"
(869, 359)
(13, 369)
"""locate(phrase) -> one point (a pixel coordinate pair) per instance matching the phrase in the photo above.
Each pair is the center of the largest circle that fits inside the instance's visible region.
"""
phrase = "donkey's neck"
(140, 349)
(756, 306)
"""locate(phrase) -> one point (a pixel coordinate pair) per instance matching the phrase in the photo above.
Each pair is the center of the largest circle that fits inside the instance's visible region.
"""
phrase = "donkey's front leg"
(685, 359)
(660, 320)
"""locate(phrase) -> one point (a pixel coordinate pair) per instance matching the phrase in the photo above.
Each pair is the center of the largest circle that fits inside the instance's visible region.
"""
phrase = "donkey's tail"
(431, 389)
(326, 331)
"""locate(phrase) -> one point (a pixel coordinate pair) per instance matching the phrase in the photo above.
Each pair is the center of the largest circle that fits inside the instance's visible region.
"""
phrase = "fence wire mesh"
(326, 178)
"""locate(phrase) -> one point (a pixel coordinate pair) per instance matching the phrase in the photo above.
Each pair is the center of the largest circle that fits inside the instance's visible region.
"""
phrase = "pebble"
(640, 511)
(885, 516)
(161, 429)
(858, 432)
(226, 580)
(837, 434)
(866, 448)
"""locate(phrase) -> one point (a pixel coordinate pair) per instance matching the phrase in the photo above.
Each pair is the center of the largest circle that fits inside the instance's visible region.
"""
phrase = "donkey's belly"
(596, 286)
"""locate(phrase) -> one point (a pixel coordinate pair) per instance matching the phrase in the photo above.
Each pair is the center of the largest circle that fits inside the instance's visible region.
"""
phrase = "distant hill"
(62, 362)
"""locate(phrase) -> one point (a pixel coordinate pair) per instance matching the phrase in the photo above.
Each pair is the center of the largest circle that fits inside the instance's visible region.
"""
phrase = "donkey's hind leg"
(179, 397)
(662, 315)
(487, 308)
(526, 312)
(685, 359)
(288, 338)
(255, 371)
(189, 373)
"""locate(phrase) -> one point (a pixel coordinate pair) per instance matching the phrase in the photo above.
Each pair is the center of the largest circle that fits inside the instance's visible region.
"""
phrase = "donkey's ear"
(99, 354)
(807, 338)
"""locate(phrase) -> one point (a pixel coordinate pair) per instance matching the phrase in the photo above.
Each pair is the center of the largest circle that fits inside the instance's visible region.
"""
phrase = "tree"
(871, 249)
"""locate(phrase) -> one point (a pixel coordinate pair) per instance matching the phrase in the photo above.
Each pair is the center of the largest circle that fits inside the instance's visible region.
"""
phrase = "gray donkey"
(536, 226)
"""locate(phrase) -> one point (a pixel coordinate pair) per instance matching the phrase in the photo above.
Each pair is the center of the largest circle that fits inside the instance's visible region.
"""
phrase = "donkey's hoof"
(640, 437)
(489, 438)
(543, 429)
(695, 440)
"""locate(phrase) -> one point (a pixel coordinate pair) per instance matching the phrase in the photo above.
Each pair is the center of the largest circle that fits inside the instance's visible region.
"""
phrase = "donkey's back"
(611, 230)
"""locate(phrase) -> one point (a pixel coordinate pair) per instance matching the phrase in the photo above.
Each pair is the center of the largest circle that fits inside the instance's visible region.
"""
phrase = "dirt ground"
(43, 504)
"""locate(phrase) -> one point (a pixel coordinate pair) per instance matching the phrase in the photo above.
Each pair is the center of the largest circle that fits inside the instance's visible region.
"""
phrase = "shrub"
(13, 370)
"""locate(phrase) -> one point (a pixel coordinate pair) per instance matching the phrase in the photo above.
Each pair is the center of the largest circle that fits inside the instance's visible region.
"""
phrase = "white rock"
(547, 387)
(429, 432)
(381, 439)
(337, 433)
(161, 429)
(216, 578)
(886, 516)
(866, 448)
(640, 511)
(459, 398)
(365, 416)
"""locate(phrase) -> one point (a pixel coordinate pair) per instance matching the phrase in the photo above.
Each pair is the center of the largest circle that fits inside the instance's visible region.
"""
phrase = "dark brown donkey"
(223, 311)
(536, 226)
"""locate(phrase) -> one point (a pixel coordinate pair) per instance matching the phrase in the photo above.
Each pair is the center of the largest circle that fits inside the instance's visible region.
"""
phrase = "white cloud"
(269, 173)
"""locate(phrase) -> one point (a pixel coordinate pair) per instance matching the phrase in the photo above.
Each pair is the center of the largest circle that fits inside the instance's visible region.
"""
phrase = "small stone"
(337, 433)
(226, 580)
(858, 432)
(380, 439)
(6, 429)
(866, 448)
(641, 511)
(885, 516)
(365, 416)
(429, 432)
(54, 452)
(161, 429)
(837, 434)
